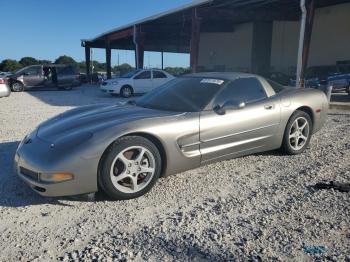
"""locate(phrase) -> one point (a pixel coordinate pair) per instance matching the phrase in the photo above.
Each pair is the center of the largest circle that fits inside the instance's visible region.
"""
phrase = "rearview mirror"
(229, 105)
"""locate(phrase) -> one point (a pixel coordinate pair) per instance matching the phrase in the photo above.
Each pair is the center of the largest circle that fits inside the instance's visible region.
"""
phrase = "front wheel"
(297, 134)
(17, 87)
(126, 91)
(130, 168)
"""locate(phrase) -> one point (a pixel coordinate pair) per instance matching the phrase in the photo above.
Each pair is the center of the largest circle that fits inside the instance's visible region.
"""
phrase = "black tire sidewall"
(106, 162)
(286, 145)
(21, 89)
(124, 88)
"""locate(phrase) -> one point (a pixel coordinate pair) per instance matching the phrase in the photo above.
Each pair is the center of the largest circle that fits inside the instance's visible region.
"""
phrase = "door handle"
(269, 107)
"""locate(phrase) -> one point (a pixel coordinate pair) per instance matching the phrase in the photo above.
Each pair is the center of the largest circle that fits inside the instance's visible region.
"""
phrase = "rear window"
(69, 70)
(276, 86)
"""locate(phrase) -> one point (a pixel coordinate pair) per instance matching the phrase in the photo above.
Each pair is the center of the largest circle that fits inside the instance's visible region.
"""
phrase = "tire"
(126, 91)
(296, 137)
(348, 90)
(17, 87)
(120, 174)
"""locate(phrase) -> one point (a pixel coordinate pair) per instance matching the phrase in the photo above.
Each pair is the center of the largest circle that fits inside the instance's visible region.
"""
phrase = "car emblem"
(52, 145)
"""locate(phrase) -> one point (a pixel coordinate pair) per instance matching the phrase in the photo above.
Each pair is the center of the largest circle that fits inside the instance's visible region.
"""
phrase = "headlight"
(56, 177)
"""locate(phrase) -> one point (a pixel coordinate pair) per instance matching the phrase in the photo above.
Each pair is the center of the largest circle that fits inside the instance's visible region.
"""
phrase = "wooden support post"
(138, 40)
(162, 60)
(261, 47)
(108, 60)
(195, 38)
(307, 38)
(141, 54)
(87, 62)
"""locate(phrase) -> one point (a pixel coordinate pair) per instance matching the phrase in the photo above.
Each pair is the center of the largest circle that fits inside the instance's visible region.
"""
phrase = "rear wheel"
(297, 134)
(130, 168)
(126, 91)
(17, 87)
(348, 90)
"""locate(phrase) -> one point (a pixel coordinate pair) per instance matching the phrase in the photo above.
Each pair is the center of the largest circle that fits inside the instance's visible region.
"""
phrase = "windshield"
(185, 94)
(130, 74)
(21, 70)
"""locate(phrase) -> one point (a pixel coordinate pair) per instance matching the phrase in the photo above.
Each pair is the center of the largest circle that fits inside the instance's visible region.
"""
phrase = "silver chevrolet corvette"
(191, 121)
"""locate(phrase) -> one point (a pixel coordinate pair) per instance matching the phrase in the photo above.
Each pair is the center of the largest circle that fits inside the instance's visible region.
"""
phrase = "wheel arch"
(308, 111)
(148, 136)
(128, 85)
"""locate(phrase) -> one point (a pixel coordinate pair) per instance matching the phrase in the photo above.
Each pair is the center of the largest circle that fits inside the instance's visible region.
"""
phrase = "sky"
(48, 29)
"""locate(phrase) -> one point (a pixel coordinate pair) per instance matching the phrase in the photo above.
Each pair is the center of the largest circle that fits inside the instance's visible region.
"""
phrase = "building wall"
(330, 40)
(226, 51)
(284, 48)
(330, 43)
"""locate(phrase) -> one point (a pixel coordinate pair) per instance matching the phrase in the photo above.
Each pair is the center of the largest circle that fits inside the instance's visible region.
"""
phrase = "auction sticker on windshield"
(212, 81)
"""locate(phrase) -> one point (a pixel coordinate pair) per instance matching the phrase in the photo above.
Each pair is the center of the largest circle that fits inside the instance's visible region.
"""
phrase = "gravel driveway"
(259, 207)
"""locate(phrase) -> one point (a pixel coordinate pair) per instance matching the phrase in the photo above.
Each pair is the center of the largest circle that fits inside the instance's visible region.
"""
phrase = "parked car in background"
(4, 88)
(340, 81)
(47, 76)
(136, 82)
(5, 74)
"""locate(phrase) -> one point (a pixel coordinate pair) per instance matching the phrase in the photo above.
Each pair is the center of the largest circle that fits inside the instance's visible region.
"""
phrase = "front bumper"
(109, 89)
(31, 161)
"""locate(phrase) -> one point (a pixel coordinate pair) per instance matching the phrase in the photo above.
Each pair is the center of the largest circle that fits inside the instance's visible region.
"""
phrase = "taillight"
(2, 81)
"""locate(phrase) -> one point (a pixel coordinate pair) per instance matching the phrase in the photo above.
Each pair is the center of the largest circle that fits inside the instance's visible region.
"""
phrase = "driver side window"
(35, 70)
(247, 90)
(144, 75)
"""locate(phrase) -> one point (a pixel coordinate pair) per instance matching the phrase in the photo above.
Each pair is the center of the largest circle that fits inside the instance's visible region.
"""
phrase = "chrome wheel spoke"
(121, 176)
(140, 155)
(134, 184)
(146, 169)
(299, 133)
(122, 158)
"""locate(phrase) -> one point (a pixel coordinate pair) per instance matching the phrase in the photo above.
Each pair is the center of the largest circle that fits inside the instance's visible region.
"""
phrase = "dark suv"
(47, 76)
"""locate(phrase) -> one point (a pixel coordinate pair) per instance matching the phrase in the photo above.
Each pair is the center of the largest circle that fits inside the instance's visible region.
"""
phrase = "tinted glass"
(275, 86)
(69, 70)
(35, 70)
(247, 90)
(130, 74)
(184, 94)
(158, 74)
(144, 75)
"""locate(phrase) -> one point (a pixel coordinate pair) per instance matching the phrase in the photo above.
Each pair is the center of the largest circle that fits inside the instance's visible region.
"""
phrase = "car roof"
(223, 75)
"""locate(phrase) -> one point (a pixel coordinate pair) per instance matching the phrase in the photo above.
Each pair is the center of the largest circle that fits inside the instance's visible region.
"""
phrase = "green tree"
(10, 65)
(122, 69)
(65, 60)
(44, 62)
(26, 61)
(177, 70)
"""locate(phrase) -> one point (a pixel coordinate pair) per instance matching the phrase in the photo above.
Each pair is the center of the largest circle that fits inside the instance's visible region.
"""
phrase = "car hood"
(93, 118)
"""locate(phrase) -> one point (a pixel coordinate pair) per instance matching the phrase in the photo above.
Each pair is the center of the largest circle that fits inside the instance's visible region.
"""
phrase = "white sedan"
(4, 88)
(136, 82)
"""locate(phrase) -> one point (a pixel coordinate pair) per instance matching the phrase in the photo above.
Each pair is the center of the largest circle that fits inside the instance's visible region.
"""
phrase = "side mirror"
(25, 74)
(229, 105)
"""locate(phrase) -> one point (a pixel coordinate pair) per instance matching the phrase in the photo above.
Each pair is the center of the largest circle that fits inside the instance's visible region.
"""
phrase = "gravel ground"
(259, 207)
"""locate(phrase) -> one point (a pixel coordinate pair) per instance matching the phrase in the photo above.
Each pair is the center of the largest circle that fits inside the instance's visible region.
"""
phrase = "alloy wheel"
(132, 169)
(299, 133)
